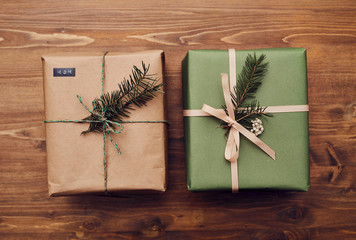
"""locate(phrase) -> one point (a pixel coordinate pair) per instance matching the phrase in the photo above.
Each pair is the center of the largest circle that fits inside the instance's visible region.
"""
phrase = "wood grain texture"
(327, 29)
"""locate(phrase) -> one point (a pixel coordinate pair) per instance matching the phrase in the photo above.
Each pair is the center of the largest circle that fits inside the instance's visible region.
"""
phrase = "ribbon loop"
(231, 150)
(227, 96)
(236, 128)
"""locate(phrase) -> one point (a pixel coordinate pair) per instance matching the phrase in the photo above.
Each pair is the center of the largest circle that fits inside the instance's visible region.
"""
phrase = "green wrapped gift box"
(286, 133)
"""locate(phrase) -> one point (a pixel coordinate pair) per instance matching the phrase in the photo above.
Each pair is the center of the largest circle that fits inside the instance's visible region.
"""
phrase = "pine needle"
(248, 82)
(137, 90)
(249, 79)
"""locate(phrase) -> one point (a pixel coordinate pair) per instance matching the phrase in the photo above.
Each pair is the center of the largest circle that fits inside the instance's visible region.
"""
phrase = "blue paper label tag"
(63, 72)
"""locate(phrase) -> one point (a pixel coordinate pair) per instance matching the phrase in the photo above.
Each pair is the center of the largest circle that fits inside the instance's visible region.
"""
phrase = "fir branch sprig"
(248, 82)
(249, 79)
(137, 90)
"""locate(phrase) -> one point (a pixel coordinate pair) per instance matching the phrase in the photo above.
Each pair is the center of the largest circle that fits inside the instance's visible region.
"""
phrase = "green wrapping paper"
(286, 133)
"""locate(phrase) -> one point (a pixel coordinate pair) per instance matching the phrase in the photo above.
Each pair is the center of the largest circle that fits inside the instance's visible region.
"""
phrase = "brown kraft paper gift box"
(75, 161)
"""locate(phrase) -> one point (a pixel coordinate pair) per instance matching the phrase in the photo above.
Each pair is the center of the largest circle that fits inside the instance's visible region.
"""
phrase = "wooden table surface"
(327, 29)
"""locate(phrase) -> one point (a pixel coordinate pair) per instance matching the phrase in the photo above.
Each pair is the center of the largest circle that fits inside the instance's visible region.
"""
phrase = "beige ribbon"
(233, 141)
(270, 109)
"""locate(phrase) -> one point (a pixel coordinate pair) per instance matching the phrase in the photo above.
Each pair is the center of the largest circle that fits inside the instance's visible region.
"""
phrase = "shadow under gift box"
(75, 161)
(285, 83)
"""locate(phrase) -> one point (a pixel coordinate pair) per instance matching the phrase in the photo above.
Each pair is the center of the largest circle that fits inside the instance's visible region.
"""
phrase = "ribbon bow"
(233, 141)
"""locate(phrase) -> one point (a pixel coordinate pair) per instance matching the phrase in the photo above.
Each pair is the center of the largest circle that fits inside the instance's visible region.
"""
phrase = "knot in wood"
(293, 214)
(91, 225)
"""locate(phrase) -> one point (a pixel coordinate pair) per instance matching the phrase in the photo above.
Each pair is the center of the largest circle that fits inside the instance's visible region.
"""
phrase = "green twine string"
(106, 127)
